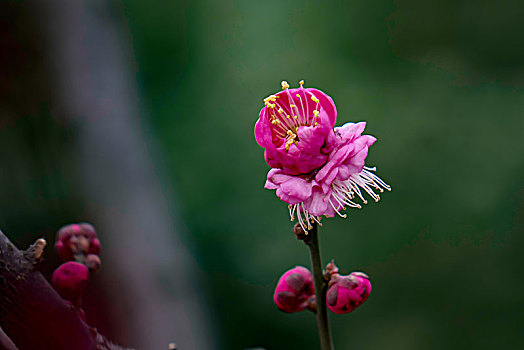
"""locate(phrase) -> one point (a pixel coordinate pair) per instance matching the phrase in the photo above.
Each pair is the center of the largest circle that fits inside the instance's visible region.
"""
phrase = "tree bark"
(5, 342)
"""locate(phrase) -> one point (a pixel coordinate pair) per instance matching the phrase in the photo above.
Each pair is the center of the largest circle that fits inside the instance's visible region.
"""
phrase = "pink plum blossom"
(317, 169)
(345, 293)
(295, 290)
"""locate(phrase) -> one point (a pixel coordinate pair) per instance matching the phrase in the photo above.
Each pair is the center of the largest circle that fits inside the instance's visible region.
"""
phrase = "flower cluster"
(76, 240)
(79, 249)
(317, 168)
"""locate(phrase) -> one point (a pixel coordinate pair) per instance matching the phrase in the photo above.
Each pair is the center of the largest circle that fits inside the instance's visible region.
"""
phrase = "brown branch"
(324, 333)
(32, 314)
(5, 342)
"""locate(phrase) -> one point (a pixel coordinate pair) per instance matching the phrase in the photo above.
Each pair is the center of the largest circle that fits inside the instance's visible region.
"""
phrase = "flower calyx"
(331, 269)
(301, 234)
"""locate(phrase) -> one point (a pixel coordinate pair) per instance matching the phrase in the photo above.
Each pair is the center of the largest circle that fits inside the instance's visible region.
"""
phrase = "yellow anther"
(280, 110)
(316, 113)
(301, 83)
(292, 106)
(288, 116)
(290, 139)
(270, 98)
(271, 105)
(316, 124)
(285, 85)
(296, 117)
(298, 95)
(314, 99)
(275, 121)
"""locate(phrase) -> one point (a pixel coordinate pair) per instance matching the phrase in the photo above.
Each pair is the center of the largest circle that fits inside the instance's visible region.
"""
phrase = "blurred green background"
(440, 86)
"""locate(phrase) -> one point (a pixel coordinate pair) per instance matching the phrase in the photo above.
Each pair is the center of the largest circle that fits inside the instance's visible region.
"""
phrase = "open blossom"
(317, 169)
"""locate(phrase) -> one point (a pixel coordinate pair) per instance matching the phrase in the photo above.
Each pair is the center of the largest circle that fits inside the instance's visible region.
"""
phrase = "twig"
(324, 333)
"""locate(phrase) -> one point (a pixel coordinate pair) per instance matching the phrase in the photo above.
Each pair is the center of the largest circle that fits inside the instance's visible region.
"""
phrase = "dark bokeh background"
(440, 85)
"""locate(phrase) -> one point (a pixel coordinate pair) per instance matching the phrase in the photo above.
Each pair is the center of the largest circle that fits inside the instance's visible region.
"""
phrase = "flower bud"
(345, 293)
(331, 269)
(295, 290)
(70, 281)
(93, 263)
(76, 239)
(301, 234)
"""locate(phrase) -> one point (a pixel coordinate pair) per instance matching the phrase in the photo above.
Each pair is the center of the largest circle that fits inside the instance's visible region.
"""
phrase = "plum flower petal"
(318, 169)
(291, 189)
(295, 128)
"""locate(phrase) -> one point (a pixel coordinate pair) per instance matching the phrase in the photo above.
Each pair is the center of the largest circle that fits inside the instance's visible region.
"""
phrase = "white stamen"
(300, 220)
(306, 214)
(292, 212)
(335, 208)
(304, 115)
(317, 220)
(343, 193)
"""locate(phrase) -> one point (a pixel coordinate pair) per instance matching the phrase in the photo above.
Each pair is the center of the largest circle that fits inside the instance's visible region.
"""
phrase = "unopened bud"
(295, 290)
(93, 263)
(70, 281)
(331, 269)
(345, 293)
(300, 233)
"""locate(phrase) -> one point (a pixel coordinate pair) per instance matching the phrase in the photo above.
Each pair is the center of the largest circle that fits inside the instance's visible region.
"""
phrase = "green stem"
(324, 333)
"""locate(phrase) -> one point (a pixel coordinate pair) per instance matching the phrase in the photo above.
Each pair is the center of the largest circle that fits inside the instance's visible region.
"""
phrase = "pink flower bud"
(70, 281)
(93, 263)
(345, 293)
(76, 239)
(295, 290)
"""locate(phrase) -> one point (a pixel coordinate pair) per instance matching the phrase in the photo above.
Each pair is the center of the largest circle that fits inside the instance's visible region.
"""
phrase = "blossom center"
(288, 112)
